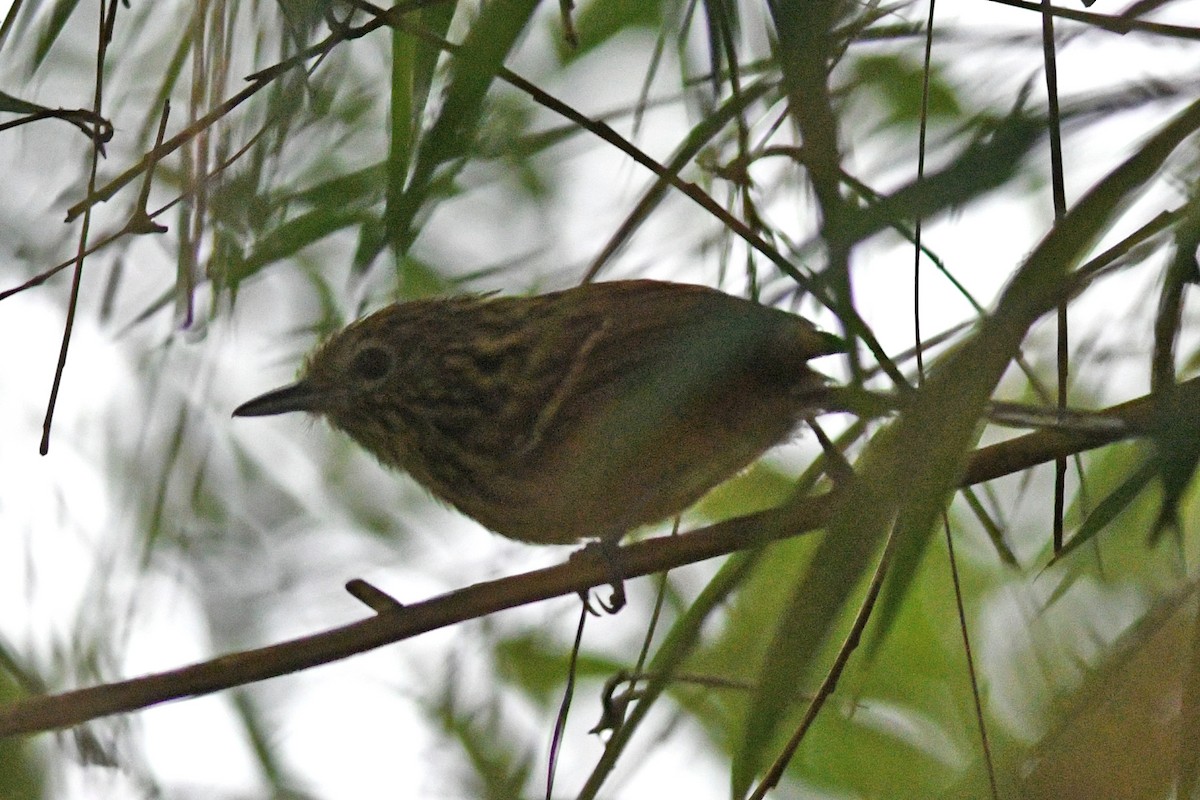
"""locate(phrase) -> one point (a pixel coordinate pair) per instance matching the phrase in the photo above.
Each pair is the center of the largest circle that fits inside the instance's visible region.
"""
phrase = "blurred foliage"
(22, 773)
(438, 147)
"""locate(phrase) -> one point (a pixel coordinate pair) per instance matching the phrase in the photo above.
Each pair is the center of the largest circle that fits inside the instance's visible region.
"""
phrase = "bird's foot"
(609, 554)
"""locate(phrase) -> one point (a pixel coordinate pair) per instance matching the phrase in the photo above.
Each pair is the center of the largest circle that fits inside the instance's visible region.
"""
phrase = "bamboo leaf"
(934, 434)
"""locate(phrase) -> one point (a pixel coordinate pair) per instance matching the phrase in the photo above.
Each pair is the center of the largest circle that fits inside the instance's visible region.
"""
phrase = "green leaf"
(538, 666)
(403, 122)
(742, 640)
(18, 106)
(934, 435)
(1120, 730)
(62, 11)
(492, 37)
(986, 164)
(897, 82)
(675, 647)
(1108, 509)
(292, 236)
(436, 19)
(22, 773)
(501, 769)
(757, 489)
(362, 188)
(602, 20)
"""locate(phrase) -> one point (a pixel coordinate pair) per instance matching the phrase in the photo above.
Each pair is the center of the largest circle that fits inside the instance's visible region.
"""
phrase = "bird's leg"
(608, 551)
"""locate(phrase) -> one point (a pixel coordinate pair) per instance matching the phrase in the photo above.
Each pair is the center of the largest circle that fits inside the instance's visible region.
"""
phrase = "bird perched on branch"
(574, 415)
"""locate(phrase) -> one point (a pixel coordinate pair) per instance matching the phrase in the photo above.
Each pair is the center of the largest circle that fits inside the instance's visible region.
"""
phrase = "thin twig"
(107, 21)
(1118, 24)
(775, 772)
(564, 708)
(1062, 338)
(964, 631)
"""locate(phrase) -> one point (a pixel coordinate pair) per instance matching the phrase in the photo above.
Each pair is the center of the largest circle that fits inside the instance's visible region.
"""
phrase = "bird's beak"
(300, 396)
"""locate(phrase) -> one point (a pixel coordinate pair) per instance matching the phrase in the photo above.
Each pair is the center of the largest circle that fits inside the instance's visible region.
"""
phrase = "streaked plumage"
(576, 414)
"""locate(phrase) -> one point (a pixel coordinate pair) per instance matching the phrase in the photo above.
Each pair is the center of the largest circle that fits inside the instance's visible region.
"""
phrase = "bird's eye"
(371, 363)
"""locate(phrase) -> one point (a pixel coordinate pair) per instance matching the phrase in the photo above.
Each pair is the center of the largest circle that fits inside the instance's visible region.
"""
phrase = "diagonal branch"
(51, 712)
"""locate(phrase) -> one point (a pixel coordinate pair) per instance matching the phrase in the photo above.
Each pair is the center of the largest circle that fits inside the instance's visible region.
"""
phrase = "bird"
(571, 416)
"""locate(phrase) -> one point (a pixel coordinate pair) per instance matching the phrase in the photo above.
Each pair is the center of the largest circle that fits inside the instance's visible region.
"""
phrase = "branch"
(51, 712)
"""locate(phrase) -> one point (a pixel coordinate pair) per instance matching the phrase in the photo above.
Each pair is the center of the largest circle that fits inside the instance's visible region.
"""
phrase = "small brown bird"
(580, 414)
